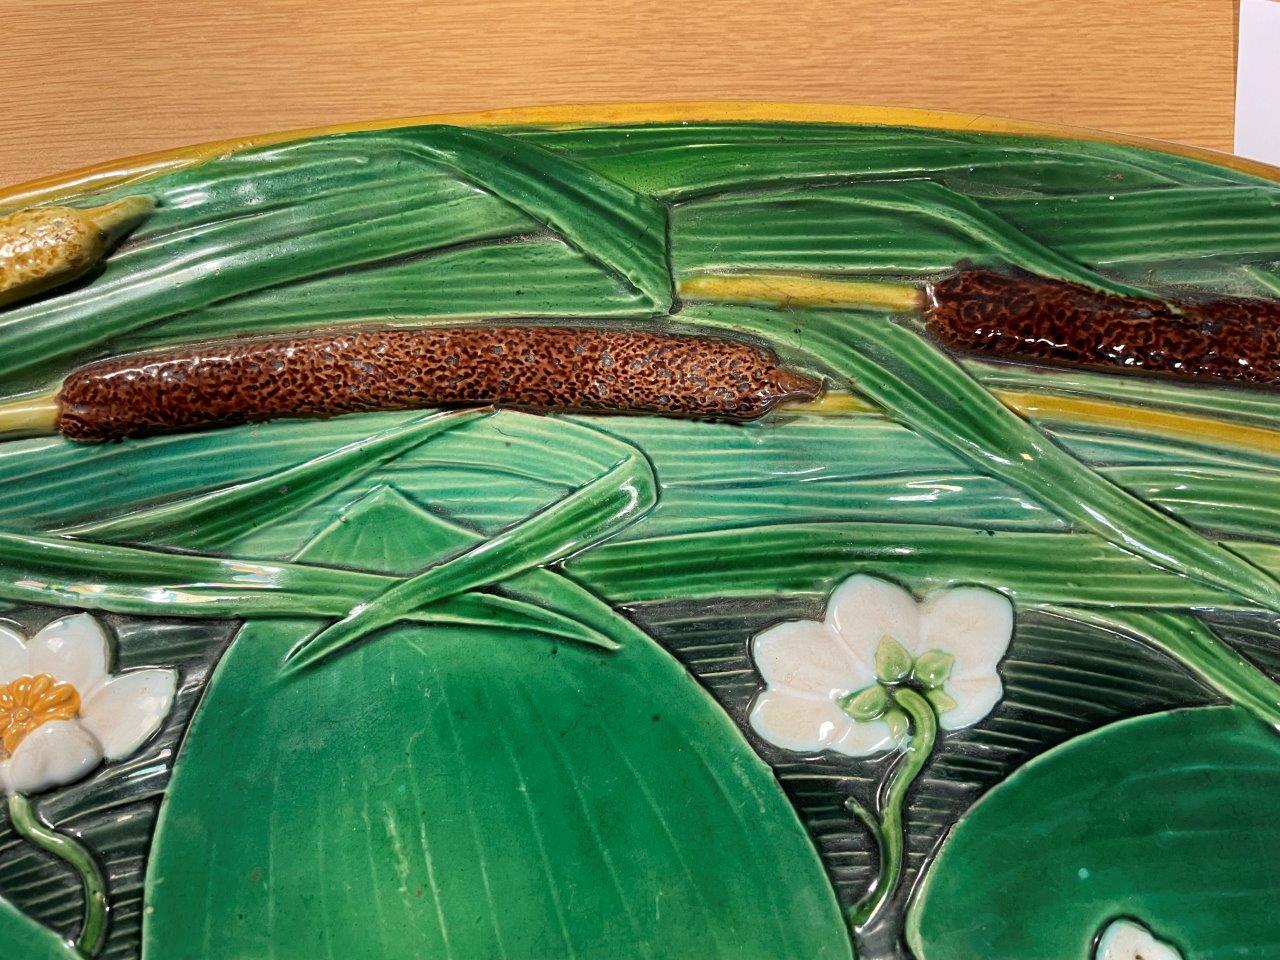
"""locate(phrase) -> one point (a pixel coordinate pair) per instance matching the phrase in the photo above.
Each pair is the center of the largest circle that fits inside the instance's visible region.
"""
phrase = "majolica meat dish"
(658, 532)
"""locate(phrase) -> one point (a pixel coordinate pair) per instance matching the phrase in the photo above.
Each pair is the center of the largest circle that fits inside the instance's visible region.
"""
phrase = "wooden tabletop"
(89, 81)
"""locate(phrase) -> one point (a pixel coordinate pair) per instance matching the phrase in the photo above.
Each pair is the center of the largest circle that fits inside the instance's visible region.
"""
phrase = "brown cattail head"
(47, 246)
(1023, 317)
(536, 368)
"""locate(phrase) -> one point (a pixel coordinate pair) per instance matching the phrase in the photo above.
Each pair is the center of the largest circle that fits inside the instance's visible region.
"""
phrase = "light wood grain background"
(90, 80)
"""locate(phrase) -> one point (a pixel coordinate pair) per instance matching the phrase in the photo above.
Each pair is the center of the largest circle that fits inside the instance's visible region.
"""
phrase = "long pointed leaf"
(507, 613)
(912, 226)
(624, 230)
(217, 517)
(927, 390)
(546, 588)
(101, 576)
(53, 570)
(612, 500)
(808, 559)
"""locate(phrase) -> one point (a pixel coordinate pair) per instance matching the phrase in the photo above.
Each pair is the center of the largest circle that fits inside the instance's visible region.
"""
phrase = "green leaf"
(933, 667)
(869, 704)
(741, 475)
(1170, 819)
(689, 159)
(24, 939)
(808, 559)
(877, 470)
(928, 391)
(1229, 403)
(940, 700)
(540, 276)
(217, 517)
(843, 229)
(624, 230)
(873, 228)
(899, 725)
(61, 572)
(893, 663)
(620, 495)
(96, 576)
(788, 559)
(1109, 227)
(460, 792)
(541, 588)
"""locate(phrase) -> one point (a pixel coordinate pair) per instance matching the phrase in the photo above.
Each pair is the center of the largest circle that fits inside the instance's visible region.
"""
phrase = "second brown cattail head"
(1029, 318)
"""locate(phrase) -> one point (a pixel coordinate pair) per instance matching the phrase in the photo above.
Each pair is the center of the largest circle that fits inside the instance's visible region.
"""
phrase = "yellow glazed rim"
(144, 166)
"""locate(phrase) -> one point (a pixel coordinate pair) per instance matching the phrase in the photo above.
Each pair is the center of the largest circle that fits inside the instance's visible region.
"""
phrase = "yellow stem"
(798, 290)
(29, 415)
(1079, 411)
(118, 218)
(1107, 413)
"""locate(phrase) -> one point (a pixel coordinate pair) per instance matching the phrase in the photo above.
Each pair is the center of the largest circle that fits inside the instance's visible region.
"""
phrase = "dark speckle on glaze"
(1022, 317)
(536, 368)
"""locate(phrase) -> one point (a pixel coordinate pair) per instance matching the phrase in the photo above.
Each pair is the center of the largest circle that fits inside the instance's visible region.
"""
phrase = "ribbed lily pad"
(472, 793)
(1170, 819)
(24, 939)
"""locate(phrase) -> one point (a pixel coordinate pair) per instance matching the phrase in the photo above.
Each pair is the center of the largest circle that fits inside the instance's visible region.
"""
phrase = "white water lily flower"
(1128, 940)
(829, 683)
(62, 713)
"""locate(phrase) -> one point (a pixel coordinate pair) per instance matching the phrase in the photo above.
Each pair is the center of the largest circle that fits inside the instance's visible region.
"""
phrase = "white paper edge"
(1258, 81)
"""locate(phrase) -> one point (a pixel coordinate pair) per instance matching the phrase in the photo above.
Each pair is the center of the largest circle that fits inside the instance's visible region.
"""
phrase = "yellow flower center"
(29, 702)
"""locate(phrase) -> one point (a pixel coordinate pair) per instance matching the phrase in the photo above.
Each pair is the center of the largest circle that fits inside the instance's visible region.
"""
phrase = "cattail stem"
(29, 415)
(799, 290)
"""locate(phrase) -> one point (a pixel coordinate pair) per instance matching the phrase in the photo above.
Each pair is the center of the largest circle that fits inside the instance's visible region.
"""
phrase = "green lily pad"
(21, 937)
(1168, 818)
(442, 792)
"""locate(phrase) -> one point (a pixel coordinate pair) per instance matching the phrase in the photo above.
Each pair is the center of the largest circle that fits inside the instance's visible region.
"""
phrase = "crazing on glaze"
(668, 536)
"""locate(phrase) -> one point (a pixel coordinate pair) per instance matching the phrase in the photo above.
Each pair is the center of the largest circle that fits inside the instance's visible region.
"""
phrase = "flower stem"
(28, 825)
(924, 732)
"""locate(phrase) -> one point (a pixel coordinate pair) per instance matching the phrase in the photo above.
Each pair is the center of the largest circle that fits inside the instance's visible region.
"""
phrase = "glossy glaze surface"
(547, 369)
(966, 652)
(1235, 339)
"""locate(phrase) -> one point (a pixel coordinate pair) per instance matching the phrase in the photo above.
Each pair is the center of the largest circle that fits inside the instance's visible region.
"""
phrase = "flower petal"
(801, 722)
(971, 624)
(52, 755)
(806, 656)
(974, 696)
(126, 710)
(864, 739)
(1126, 940)
(73, 650)
(864, 609)
(13, 655)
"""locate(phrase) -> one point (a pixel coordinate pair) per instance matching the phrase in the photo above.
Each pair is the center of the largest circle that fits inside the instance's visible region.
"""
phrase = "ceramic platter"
(716, 531)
